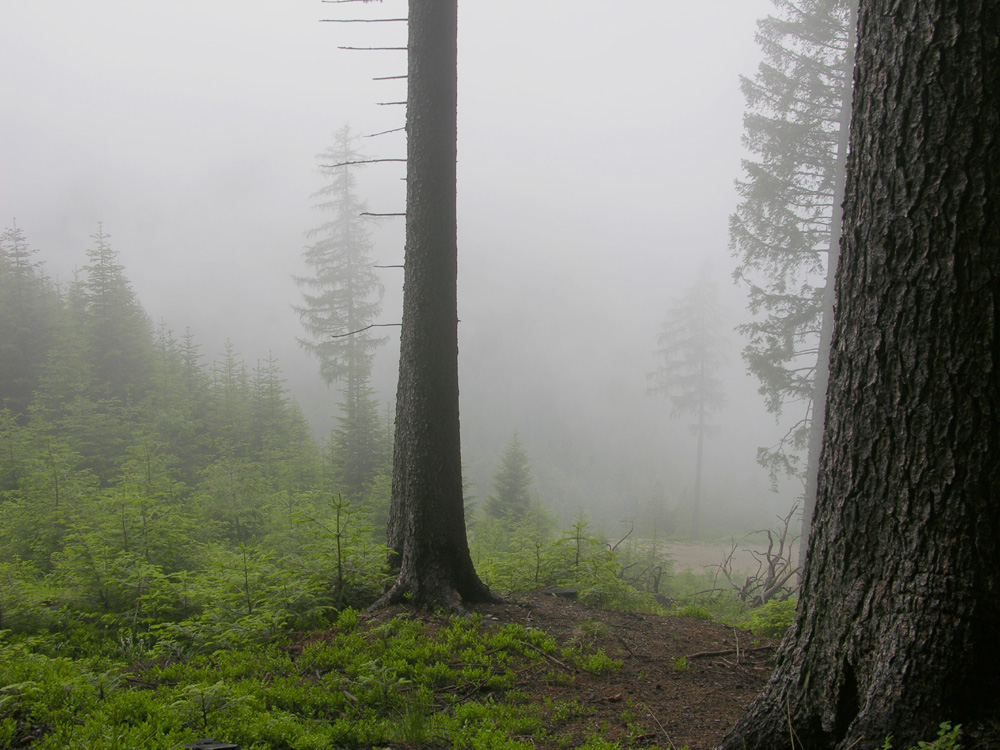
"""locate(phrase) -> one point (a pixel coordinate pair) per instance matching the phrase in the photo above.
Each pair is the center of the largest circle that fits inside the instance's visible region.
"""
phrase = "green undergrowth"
(397, 683)
(697, 595)
(947, 739)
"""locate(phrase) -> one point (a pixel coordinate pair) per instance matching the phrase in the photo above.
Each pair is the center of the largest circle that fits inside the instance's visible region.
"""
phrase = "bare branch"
(369, 213)
(384, 132)
(631, 528)
(388, 104)
(396, 266)
(375, 49)
(362, 330)
(389, 78)
(361, 20)
(361, 161)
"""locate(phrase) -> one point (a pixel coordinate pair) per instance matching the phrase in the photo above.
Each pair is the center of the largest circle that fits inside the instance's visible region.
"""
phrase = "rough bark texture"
(427, 516)
(897, 628)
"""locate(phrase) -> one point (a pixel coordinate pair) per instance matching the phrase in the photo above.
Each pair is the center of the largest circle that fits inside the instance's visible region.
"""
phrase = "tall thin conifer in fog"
(785, 232)
(340, 299)
(692, 348)
(426, 530)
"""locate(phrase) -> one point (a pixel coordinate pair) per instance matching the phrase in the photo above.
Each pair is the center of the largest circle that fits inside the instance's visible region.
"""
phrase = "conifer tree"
(29, 310)
(511, 482)
(692, 348)
(119, 334)
(341, 299)
(785, 232)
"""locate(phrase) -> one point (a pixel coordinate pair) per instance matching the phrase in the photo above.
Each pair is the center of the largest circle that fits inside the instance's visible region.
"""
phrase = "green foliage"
(512, 482)
(772, 619)
(697, 611)
(167, 523)
(680, 663)
(522, 555)
(947, 739)
(395, 682)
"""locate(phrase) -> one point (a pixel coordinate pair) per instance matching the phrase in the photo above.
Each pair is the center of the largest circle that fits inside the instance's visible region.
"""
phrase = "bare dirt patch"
(683, 681)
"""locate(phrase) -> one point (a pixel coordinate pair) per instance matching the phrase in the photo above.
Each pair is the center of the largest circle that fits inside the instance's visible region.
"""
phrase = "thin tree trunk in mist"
(696, 509)
(427, 518)
(900, 601)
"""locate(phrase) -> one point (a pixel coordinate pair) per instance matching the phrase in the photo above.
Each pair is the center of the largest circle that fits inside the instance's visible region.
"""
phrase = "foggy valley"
(597, 153)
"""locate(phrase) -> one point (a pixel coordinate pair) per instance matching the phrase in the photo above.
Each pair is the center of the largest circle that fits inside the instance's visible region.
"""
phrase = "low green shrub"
(773, 619)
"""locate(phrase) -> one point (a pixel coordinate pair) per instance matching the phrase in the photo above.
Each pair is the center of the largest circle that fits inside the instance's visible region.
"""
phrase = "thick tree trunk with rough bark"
(427, 517)
(900, 608)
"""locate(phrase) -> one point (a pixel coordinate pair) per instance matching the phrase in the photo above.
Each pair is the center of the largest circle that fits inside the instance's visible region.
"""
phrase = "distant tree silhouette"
(692, 348)
(511, 482)
(341, 298)
(785, 231)
(29, 313)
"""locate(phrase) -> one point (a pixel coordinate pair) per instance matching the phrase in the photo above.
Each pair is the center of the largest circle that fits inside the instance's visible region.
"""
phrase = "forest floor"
(683, 681)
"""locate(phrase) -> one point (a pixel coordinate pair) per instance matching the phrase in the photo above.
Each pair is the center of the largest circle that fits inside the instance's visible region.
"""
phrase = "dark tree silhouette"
(427, 518)
(899, 614)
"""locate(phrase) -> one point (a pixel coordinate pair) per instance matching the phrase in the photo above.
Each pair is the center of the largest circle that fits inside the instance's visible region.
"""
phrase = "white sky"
(598, 144)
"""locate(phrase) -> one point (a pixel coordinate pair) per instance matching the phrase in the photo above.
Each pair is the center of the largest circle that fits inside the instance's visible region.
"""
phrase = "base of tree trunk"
(431, 586)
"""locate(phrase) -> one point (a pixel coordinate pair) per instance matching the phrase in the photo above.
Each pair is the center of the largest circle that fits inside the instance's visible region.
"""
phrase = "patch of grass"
(680, 663)
(947, 739)
(698, 611)
(453, 683)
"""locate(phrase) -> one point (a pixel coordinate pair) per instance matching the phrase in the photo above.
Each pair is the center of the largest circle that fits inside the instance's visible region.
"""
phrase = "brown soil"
(683, 681)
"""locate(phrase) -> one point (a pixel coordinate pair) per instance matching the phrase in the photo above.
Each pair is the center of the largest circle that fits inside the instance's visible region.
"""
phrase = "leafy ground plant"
(398, 682)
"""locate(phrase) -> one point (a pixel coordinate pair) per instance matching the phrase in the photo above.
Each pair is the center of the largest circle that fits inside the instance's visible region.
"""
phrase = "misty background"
(598, 144)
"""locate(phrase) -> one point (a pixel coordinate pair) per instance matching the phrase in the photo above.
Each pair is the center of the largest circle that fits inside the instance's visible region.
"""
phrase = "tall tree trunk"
(427, 518)
(818, 417)
(900, 609)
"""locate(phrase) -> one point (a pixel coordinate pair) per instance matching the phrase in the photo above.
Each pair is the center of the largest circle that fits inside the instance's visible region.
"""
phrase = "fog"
(598, 144)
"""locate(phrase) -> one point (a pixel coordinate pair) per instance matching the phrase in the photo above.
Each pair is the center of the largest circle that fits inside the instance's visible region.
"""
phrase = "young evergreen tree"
(119, 334)
(230, 414)
(511, 483)
(692, 348)
(94, 385)
(341, 299)
(785, 232)
(898, 615)
(280, 436)
(29, 310)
